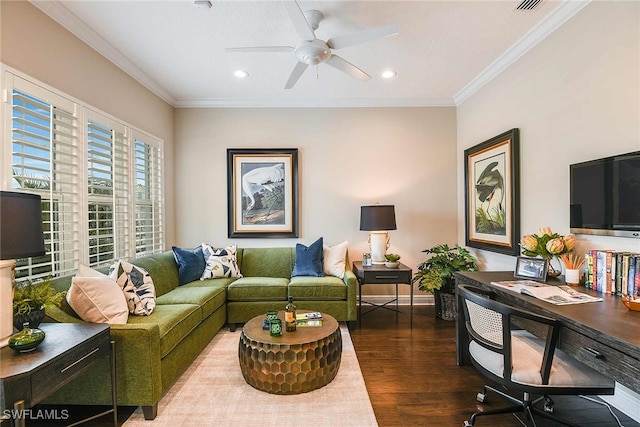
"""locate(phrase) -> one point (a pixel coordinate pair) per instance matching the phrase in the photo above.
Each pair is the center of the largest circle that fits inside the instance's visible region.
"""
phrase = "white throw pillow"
(97, 298)
(335, 259)
(220, 262)
(138, 288)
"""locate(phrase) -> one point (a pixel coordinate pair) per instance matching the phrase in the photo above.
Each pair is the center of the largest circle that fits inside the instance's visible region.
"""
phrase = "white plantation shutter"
(149, 210)
(100, 181)
(107, 189)
(44, 161)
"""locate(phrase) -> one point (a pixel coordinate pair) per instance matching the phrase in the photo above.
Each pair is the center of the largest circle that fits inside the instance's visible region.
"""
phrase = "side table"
(68, 350)
(381, 275)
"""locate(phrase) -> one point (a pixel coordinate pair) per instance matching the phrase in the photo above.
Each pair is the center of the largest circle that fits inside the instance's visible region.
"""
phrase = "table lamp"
(378, 219)
(21, 236)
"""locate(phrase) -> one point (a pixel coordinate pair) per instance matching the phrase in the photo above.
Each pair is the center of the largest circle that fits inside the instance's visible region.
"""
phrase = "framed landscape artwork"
(262, 192)
(492, 194)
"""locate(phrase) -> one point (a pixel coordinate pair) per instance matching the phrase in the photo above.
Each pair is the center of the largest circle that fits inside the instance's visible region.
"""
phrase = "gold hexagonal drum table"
(296, 362)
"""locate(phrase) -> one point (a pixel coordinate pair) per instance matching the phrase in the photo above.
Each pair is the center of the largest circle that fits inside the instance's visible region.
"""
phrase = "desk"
(378, 274)
(68, 349)
(603, 335)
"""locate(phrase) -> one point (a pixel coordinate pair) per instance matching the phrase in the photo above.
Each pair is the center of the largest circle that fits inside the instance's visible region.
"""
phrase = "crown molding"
(534, 36)
(56, 11)
(313, 103)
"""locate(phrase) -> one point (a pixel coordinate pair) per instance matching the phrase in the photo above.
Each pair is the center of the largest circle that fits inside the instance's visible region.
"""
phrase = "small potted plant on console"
(392, 260)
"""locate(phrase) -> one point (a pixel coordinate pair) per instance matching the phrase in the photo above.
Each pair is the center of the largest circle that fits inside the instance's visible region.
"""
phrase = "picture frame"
(531, 268)
(262, 192)
(492, 194)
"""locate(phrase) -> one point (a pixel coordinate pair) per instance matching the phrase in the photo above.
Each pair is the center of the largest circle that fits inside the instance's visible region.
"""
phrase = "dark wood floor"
(413, 380)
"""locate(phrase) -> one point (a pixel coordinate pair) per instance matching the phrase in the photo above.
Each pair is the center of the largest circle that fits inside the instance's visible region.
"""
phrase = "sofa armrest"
(351, 281)
(138, 362)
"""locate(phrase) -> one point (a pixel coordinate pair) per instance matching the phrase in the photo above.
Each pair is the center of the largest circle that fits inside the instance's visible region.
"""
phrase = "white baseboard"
(625, 400)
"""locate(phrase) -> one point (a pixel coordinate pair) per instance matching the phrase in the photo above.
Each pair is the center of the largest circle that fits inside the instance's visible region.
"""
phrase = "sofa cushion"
(317, 288)
(162, 268)
(258, 289)
(175, 322)
(191, 264)
(267, 262)
(137, 285)
(220, 281)
(208, 298)
(309, 260)
(220, 262)
(335, 258)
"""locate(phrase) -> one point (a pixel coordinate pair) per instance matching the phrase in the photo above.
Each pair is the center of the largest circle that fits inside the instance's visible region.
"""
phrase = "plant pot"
(390, 264)
(34, 317)
(445, 305)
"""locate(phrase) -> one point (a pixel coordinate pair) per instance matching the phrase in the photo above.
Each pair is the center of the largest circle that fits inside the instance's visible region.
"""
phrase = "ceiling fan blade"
(295, 74)
(337, 62)
(261, 49)
(362, 36)
(299, 21)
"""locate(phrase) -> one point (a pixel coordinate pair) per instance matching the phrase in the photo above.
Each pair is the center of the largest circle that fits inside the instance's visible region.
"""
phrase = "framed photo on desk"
(531, 268)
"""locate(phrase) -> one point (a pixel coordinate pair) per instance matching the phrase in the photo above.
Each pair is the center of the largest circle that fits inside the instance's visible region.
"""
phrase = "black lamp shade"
(21, 232)
(377, 218)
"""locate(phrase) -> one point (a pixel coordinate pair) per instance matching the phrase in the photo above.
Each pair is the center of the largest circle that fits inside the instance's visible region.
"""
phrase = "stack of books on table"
(304, 320)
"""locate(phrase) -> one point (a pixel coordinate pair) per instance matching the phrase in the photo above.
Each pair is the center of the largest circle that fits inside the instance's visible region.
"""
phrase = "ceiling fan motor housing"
(312, 52)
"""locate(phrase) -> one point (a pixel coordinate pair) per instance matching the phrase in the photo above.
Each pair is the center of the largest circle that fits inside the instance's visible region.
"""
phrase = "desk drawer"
(607, 360)
(67, 366)
(386, 277)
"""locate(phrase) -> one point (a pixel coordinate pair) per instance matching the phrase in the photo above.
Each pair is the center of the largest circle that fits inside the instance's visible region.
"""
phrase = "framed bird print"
(262, 192)
(492, 194)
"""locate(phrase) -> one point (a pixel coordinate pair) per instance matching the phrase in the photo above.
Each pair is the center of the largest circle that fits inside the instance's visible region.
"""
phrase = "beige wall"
(575, 97)
(34, 44)
(348, 157)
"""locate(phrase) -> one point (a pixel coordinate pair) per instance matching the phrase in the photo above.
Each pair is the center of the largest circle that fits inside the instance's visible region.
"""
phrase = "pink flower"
(545, 230)
(569, 242)
(555, 246)
(529, 243)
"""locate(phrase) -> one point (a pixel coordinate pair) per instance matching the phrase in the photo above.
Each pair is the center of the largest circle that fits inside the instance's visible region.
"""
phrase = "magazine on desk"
(558, 295)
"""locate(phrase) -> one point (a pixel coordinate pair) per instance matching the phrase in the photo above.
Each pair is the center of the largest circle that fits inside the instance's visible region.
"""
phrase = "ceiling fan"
(312, 51)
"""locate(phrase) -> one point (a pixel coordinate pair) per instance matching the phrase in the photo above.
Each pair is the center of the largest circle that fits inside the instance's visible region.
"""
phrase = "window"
(101, 188)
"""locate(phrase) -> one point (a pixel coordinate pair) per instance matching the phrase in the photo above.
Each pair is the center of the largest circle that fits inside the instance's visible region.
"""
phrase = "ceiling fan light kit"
(313, 51)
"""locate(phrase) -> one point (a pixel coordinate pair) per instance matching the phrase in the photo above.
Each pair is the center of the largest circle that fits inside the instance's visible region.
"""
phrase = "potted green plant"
(30, 300)
(392, 260)
(436, 275)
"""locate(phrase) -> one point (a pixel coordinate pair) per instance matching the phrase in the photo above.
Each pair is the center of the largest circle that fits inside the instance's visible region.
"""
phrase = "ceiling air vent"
(528, 4)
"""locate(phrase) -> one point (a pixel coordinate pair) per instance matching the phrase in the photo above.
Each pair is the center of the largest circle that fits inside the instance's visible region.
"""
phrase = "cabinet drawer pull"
(593, 352)
(386, 277)
(81, 359)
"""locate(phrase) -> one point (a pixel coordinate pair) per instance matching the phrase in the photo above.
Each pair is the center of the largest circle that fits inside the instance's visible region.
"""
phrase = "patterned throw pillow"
(220, 262)
(138, 289)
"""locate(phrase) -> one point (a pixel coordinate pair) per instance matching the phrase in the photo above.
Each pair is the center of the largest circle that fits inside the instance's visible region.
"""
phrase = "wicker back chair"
(533, 365)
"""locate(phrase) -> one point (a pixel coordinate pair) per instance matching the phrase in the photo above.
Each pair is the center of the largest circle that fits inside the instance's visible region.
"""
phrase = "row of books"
(613, 272)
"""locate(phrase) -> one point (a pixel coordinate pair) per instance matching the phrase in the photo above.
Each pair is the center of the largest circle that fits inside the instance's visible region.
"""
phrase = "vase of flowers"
(548, 245)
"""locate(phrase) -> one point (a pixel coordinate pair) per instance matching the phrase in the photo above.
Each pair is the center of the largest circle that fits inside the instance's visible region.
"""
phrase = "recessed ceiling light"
(241, 74)
(389, 74)
(203, 4)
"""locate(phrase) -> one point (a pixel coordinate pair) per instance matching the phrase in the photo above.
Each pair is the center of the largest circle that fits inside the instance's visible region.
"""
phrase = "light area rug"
(212, 392)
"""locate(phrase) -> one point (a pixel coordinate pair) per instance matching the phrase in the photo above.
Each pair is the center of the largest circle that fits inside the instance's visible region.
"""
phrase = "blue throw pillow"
(309, 260)
(191, 264)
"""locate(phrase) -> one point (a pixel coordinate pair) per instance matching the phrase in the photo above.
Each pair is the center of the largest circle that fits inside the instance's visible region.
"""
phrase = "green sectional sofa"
(152, 351)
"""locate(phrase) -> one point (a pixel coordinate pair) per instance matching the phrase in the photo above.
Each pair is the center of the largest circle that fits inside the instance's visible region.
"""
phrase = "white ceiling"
(444, 50)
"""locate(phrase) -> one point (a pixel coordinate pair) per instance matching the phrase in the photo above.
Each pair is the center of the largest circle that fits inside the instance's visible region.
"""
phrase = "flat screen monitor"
(605, 196)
